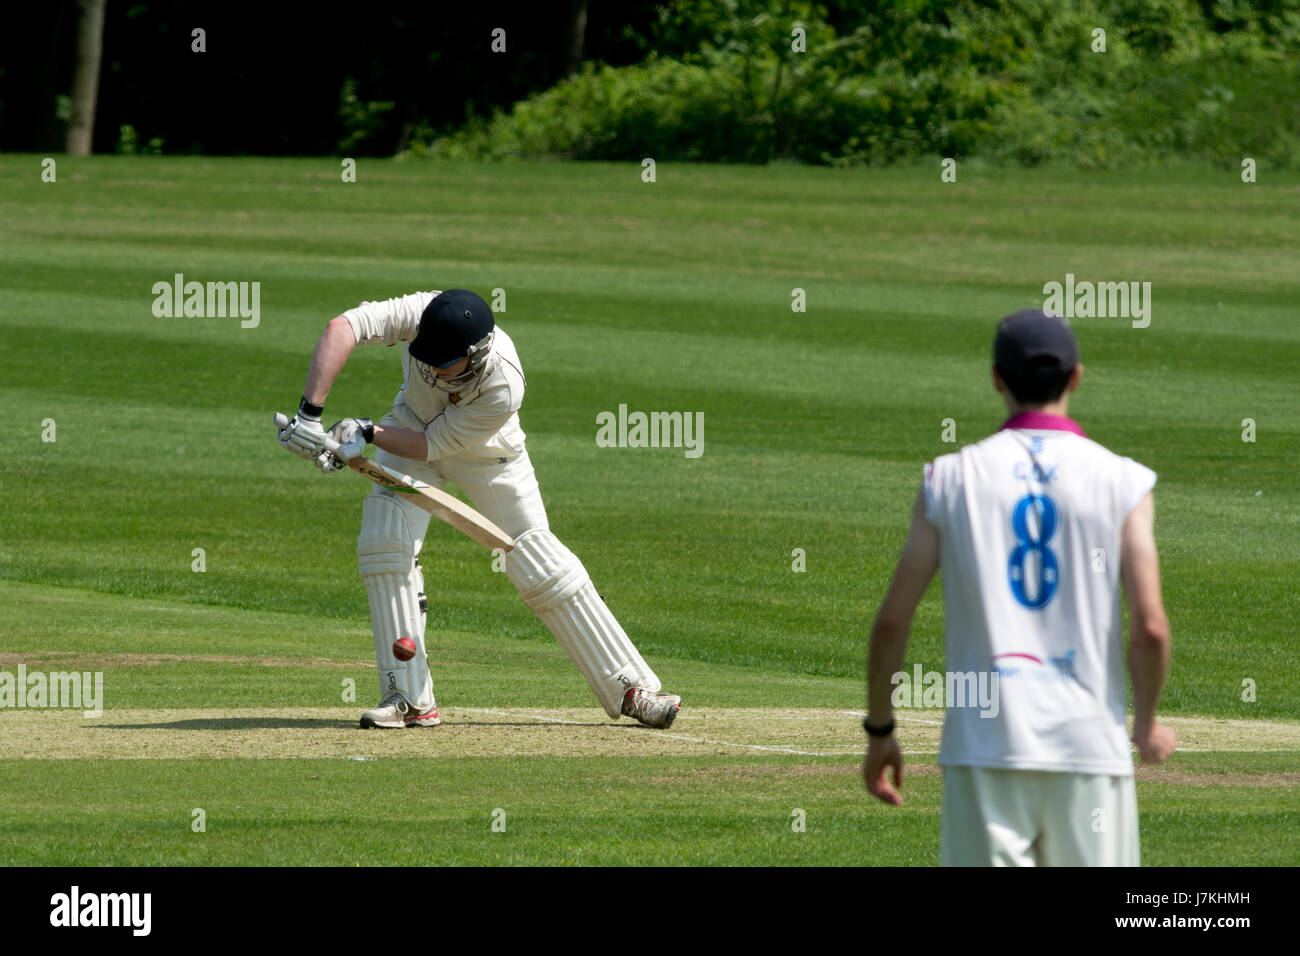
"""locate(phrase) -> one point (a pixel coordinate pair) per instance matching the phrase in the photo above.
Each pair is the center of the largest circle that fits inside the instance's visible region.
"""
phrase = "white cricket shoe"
(394, 712)
(653, 710)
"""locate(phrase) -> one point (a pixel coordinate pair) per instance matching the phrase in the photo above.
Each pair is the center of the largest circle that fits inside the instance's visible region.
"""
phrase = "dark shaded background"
(886, 81)
(270, 80)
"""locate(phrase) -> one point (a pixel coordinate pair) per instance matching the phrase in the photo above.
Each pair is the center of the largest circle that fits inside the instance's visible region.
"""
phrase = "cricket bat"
(437, 502)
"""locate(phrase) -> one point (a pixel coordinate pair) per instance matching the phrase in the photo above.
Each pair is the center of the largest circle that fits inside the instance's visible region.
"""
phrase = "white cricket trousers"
(997, 817)
(505, 492)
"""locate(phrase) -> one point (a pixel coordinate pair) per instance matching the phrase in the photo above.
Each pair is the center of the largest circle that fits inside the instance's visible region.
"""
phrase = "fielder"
(1035, 528)
(456, 418)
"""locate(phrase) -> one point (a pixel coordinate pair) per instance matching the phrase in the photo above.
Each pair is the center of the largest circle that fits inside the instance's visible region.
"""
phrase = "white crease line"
(692, 740)
(767, 747)
(764, 717)
(728, 743)
(901, 720)
(507, 713)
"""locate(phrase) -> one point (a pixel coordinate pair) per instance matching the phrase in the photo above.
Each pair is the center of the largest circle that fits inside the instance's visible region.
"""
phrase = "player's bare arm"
(328, 358)
(303, 434)
(354, 434)
(1149, 646)
(404, 442)
(327, 361)
(407, 442)
(916, 568)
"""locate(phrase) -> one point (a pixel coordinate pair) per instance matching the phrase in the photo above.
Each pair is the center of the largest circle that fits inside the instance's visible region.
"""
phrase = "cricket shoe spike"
(653, 710)
(394, 712)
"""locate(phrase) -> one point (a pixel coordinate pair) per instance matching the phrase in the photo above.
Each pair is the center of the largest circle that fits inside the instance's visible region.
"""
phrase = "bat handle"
(330, 444)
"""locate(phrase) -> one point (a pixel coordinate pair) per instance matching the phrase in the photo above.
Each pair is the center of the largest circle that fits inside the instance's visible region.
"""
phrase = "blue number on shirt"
(1048, 567)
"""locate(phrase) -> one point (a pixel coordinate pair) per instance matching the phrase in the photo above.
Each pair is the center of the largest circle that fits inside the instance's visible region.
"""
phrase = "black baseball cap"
(1032, 342)
(450, 324)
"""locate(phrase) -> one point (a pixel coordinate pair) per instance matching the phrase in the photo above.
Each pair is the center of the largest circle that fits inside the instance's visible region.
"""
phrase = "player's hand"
(329, 461)
(882, 754)
(349, 431)
(1154, 743)
(352, 434)
(302, 436)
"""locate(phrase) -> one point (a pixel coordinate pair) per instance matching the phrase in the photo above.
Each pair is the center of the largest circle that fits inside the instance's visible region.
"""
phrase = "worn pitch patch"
(284, 733)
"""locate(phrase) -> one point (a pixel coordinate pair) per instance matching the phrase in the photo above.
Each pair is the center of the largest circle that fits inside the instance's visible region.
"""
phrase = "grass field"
(224, 689)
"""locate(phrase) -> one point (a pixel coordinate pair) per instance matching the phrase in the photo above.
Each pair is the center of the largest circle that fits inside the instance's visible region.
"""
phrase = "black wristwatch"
(884, 731)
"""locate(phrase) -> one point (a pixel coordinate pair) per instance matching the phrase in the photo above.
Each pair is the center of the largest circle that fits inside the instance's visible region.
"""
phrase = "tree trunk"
(577, 37)
(85, 82)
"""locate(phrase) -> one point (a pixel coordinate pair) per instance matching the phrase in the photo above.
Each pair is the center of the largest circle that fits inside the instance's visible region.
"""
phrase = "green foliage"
(128, 143)
(760, 87)
(1170, 82)
(1220, 111)
(657, 108)
(1010, 80)
(359, 119)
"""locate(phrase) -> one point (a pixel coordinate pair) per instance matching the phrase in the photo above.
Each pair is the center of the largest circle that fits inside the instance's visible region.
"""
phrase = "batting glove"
(349, 430)
(303, 435)
(328, 461)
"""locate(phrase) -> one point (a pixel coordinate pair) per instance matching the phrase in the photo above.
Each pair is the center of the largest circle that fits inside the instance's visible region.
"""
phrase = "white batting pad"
(386, 559)
(556, 587)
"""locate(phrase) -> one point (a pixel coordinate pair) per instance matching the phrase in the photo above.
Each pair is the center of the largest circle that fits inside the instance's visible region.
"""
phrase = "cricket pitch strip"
(332, 732)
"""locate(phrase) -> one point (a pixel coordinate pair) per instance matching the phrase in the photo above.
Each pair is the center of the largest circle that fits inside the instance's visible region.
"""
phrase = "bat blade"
(437, 502)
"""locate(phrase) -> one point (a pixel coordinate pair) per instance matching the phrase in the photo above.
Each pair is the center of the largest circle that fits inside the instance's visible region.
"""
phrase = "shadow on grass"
(315, 723)
(235, 723)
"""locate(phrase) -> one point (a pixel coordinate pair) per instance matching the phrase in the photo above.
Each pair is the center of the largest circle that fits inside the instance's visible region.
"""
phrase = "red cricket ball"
(403, 648)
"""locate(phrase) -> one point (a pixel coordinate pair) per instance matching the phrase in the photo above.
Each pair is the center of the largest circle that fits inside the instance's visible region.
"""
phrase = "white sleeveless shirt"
(1029, 522)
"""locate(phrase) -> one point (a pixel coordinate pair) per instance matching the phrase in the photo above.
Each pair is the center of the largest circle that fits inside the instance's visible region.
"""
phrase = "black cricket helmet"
(457, 324)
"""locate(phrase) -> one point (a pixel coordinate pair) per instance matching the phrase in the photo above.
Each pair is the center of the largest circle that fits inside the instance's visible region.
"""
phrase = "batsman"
(456, 419)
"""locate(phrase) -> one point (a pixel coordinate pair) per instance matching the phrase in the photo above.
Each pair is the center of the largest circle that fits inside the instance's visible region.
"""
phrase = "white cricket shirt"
(480, 424)
(1029, 524)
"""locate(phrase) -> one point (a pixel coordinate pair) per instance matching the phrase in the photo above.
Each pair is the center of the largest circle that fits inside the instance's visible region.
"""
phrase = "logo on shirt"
(1053, 669)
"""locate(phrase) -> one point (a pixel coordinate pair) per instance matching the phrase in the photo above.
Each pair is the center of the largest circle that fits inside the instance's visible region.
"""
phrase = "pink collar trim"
(1041, 421)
